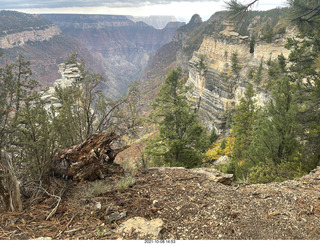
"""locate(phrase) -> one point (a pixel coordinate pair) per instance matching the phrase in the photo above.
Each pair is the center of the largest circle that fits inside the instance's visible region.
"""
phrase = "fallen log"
(92, 159)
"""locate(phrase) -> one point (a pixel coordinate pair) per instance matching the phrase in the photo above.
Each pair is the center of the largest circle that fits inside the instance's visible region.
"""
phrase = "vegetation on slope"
(13, 22)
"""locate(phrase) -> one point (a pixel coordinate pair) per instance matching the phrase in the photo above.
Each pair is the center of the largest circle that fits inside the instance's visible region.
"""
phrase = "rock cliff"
(21, 38)
(70, 76)
(216, 89)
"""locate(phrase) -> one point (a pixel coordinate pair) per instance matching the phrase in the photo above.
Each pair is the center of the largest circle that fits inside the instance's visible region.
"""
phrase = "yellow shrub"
(216, 151)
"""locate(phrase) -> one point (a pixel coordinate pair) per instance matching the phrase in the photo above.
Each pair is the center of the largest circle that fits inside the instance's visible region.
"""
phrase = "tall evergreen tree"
(275, 142)
(243, 121)
(182, 139)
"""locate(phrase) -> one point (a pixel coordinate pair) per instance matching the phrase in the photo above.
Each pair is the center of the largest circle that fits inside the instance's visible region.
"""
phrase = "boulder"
(215, 175)
(144, 229)
(222, 160)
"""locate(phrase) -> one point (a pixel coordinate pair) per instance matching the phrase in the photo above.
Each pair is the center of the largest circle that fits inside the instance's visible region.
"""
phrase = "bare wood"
(53, 211)
(90, 160)
(10, 191)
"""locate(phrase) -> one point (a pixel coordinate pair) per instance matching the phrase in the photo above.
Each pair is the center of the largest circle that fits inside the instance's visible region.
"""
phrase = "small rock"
(110, 209)
(97, 206)
(215, 175)
(222, 160)
(116, 216)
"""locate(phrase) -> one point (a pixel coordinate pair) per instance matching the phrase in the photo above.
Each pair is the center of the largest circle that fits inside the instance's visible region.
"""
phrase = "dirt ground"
(190, 205)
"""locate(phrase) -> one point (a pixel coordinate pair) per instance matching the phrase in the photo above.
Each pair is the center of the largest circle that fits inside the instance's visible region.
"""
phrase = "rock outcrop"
(217, 88)
(70, 76)
(21, 38)
(204, 51)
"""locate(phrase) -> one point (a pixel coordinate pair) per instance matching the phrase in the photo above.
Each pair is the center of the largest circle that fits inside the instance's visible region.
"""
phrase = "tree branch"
(315, 12)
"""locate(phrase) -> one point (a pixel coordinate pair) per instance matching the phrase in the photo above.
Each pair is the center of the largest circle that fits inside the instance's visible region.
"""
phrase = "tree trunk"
(9, 187)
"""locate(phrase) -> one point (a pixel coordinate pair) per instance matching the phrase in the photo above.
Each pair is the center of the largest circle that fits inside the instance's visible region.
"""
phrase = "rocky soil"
(172, 203)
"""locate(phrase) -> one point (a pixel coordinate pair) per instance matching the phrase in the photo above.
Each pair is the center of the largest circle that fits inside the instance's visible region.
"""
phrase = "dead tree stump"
(92, 159)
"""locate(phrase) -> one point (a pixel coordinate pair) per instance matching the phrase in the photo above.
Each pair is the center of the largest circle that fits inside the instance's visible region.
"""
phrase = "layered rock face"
(21, 38)
(123, 45)
(70, 76)
(216, 88)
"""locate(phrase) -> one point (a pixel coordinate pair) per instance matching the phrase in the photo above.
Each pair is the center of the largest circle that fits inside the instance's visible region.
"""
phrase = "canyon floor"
(187, 204)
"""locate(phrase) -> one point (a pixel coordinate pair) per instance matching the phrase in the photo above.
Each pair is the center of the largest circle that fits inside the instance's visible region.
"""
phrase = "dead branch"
(56, 207)
(9, 188)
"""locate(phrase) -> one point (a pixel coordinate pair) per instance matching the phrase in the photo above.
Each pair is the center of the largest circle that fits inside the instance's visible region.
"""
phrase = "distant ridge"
(157, 21)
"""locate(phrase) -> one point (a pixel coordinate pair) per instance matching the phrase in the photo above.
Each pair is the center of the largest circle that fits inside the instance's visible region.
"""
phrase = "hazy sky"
(182, 9)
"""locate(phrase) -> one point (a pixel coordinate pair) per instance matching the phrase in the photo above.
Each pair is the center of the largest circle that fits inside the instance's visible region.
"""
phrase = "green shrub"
(124, 183)
(97, 188)
(269, 172)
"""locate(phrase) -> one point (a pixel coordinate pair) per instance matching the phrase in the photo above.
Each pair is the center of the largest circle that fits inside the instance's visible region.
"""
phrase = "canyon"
(123, 50)
(112, 45)
(124, 46)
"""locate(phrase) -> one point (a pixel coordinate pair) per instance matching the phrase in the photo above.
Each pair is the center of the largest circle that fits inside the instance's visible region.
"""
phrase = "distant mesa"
(157, 21)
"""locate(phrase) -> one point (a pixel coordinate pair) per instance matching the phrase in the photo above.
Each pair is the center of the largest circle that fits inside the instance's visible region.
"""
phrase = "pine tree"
(182, 139)
(37, 139)
(16, 90)
(243, 121)
(275, 142)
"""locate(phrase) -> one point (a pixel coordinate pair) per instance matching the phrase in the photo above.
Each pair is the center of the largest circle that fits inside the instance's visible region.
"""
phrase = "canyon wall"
(21, 38)
(216, 88)
(204, 51)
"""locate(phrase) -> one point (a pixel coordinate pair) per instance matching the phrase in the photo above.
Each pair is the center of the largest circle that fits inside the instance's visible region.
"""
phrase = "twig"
(65, 227)
(55, 208)
(73, 230)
